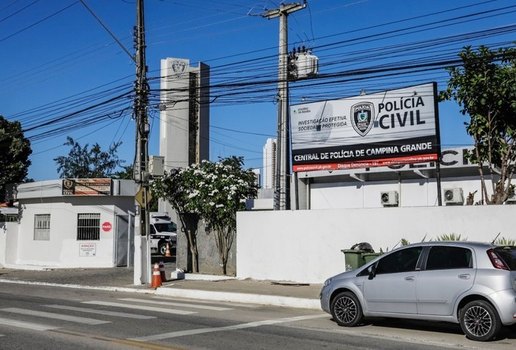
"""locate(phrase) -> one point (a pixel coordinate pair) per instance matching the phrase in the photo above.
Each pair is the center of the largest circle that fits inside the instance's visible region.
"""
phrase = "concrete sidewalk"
(194, 286)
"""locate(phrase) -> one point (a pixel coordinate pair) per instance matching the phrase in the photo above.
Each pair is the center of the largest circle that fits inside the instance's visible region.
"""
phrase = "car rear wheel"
(346, 310)
(480, 321)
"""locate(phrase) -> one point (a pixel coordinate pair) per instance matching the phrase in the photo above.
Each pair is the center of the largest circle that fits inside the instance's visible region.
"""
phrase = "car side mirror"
(372, 271)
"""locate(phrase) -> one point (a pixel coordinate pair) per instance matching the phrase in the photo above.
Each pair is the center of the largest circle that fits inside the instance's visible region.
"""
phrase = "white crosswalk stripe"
(26, 325)
(140, 307)
(168, 307)
(83, 320)
(254, 324)
(186, 305)
(101, 312)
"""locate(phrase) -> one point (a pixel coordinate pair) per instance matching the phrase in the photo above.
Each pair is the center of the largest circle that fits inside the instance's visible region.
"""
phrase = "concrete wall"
(305, 245)
(209, 261)
(8, 242)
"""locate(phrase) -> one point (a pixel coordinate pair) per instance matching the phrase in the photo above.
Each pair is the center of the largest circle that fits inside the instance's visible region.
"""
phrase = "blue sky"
(57, 60)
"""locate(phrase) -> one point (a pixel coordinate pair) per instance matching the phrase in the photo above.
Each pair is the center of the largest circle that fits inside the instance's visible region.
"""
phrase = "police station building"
(378, 150)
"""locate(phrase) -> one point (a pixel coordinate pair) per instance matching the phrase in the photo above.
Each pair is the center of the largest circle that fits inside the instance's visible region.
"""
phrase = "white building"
(71, 223)
(409, 185)
(269, 164)
(258, 176)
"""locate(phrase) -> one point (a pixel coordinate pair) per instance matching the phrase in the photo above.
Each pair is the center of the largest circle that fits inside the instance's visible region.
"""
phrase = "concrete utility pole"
(141, 175)
(282, 171)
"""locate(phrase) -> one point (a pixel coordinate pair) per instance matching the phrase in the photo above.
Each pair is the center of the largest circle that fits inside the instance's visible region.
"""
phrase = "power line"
(18, 11)
(108, 30)
(38, 22)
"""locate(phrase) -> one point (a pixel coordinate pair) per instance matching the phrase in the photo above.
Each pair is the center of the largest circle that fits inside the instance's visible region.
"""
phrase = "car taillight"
(496, 261)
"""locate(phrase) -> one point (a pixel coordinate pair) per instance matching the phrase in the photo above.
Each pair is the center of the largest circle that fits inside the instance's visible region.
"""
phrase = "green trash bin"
(353, 258)
(368, 257)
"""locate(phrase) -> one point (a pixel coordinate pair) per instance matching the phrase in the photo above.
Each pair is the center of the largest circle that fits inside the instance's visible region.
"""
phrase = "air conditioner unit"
(453, 196)
(389, 199)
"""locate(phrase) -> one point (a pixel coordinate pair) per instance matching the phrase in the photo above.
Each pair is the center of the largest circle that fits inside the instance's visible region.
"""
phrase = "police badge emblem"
(179, 66)
(68, 187)
(362, 117)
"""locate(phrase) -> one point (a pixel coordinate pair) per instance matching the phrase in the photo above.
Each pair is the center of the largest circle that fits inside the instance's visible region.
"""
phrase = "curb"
(244, 298)
(80, 286)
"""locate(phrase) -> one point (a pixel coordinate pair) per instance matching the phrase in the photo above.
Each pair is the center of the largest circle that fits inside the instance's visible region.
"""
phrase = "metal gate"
(124, 240)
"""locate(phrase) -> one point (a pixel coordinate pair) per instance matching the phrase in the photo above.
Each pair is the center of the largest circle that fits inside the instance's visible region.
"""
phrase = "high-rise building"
(184, 113)
(258, 176)
(269, 164)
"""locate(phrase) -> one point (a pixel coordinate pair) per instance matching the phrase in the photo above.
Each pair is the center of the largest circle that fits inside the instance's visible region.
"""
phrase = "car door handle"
(410, 278)
(465, 276)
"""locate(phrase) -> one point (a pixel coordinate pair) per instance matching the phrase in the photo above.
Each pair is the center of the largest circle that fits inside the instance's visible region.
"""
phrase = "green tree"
(14, 154)
(485, 89)
(83, 162)
(125, 174)
(213, 192)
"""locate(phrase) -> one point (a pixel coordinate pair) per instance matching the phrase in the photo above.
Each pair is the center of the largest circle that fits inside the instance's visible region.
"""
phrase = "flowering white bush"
(215, 192)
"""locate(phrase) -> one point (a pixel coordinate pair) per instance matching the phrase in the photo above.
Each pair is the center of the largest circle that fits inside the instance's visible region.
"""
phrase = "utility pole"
(282, 170)
(140, 172)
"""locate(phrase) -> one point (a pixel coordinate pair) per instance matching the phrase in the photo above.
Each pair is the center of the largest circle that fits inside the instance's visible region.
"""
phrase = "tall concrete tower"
(184, 127)
(184, 113)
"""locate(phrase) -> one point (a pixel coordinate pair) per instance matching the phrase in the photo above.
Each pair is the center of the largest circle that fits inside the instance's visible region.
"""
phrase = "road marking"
(84, 320)
(26, 325)
(140, 307)
(194, 306)
(226, 328)
(101, 312)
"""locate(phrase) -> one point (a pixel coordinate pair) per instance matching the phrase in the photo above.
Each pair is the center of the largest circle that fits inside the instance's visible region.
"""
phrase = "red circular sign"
(106, 226)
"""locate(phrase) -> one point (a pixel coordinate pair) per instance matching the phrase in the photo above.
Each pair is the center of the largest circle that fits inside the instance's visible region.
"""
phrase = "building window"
(88, 227)
(8, 217)
(42, 227)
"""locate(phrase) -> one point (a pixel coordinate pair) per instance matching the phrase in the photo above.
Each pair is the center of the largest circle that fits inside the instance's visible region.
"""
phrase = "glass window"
(88, 227)
(444, 258)
(508, 255)
(400, 261)
(166, 227)
(42, 227)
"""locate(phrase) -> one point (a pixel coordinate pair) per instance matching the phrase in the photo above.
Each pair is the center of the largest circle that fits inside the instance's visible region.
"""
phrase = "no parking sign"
(106, 226)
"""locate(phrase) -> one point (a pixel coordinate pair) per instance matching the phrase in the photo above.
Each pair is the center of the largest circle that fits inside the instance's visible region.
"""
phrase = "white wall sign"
(87, 249)
(393, 127)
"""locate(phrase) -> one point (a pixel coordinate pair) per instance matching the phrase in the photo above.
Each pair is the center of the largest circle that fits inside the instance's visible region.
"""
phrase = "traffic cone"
(167, 252)
(156, 277)
(162, 272)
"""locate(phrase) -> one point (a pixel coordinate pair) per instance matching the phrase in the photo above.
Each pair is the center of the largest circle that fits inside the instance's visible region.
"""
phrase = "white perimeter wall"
(8, 242)
(305, 245)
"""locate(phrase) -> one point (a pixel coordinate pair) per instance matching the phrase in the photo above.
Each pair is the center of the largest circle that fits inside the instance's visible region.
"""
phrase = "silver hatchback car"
(473, 284)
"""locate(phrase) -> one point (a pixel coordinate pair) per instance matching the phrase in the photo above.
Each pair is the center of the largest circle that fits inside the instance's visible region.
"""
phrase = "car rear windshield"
(508, 255)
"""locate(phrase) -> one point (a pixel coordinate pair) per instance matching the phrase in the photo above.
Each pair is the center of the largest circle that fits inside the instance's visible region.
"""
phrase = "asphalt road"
(41, 317)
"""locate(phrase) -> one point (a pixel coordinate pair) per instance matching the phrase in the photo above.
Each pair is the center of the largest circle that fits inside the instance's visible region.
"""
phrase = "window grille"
(88, 227)
(42, 227)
